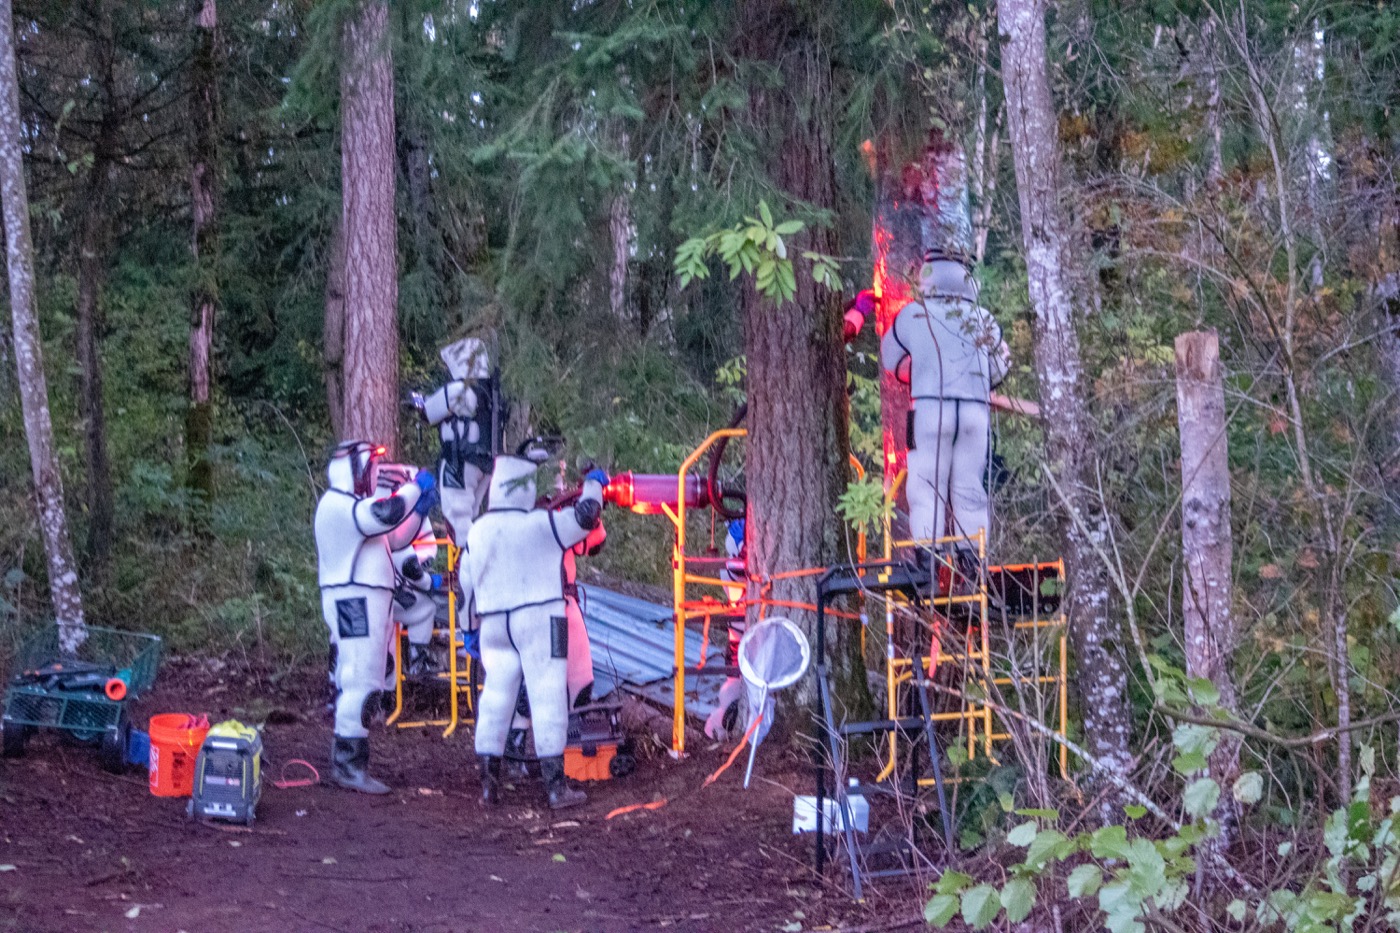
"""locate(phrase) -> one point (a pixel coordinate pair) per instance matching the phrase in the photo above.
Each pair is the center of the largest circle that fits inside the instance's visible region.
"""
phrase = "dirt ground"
(84, 850)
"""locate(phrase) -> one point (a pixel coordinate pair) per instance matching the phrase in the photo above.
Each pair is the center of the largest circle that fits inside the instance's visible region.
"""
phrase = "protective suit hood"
(513, 484)
(946, 277)
(352, 468)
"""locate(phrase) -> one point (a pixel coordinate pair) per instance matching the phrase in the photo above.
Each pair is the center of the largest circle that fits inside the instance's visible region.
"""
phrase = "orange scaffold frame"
(459, 674)
(682, 609)
(975, 655)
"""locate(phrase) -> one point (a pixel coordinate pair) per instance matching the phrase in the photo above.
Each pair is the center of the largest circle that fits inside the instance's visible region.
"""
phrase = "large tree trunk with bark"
(333, 334)
(798, 442)
(204, 199)
(1206, 548)
(371, 349)
(94, 236)
(620, 234)
(29, 357)
(1070, 434)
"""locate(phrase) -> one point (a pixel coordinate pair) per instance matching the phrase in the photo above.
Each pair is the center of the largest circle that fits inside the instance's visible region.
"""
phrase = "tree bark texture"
(371, 355)
(798, 442)
(1070, 436)
(620, 233)
(921, 206)
(29, 356)
(333, 335)
(94, 239)
(204, 200)
(1206, 545)
(429, 254)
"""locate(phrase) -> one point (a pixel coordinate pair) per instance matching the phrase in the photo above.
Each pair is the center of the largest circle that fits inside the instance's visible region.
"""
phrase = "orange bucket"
(175, 742)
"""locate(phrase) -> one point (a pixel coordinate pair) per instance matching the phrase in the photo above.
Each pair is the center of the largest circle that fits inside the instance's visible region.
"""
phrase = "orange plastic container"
(590, 764)
(175, 742)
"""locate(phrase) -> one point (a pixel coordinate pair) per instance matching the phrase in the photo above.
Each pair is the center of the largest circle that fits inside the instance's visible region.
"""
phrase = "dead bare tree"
(1206, 545)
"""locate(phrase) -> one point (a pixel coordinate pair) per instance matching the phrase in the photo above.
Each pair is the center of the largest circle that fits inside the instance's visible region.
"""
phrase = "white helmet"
(946, 275)
(513, 477)
(353, 467)
(513, 483)
(467, 359)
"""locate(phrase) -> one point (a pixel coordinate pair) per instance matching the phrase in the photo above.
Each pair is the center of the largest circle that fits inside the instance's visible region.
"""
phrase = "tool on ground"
(228, 774)
(79, 689)
(773, 654)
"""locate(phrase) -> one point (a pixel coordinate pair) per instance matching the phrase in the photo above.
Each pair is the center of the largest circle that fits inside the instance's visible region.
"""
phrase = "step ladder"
(918, 587)
(463, 674)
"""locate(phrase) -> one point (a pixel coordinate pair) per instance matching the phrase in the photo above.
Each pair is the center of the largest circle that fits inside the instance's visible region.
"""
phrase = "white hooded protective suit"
(460, 411)
(515, 561)
(955, 356)
(414, 608)
(356, 575)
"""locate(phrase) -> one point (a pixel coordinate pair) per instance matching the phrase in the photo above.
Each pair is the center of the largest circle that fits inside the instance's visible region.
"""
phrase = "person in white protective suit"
(579, 664)
(515, 565)
(356, 575)
(462, 412)
(413, 547)
(949, 349)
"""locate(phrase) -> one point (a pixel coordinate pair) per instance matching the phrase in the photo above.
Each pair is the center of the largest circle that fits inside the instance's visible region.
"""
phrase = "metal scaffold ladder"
(462, 674)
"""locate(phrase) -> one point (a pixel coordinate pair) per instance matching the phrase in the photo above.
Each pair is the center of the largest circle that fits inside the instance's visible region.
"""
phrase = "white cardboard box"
(804, 814)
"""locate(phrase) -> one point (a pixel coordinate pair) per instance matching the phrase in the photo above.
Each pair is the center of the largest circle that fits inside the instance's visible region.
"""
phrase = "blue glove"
(426, 500)
(598, 476)
(425, 480)
(436, 581)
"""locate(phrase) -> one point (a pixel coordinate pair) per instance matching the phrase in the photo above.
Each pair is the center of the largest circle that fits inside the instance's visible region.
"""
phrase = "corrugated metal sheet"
(633, 646)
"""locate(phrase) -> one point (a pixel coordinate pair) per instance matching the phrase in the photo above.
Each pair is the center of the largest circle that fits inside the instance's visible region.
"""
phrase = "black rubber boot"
(350, 766)
(490, 779)
(561, 795)
(967, 573)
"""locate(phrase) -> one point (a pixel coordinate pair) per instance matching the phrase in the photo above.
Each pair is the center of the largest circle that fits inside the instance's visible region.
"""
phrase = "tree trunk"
(204, 199)
(333, 336)
(29, 356)
(620, 233)
(92, 277)
(798, 442)
(1070, 435)
(1206, 549)
(427, 244)
(371, 354)
(1215, 164)
(94, 232)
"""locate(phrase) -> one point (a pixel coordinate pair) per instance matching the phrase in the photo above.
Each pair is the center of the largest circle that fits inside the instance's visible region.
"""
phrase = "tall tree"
(333, 332)
(93, 244)
(204, 203)
(29, 357)
(1070, 434)
(370, 361)
(798, 442)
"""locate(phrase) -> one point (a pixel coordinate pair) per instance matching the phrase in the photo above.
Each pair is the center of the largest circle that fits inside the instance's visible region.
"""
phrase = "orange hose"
(629, 808)
(753, 727)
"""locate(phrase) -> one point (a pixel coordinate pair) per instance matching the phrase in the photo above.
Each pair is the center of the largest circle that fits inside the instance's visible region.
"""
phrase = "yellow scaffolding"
(460, 673)
(684, 609)
(974, 656)
(681, 578)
